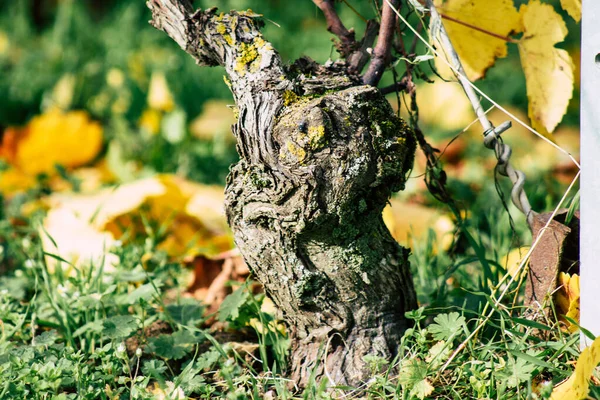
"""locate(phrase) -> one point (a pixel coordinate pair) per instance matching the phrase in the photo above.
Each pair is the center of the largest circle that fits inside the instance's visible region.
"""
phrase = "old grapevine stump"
(320, 156)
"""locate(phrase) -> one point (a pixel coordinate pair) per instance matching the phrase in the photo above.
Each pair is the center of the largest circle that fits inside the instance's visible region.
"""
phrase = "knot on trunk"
(349, 146)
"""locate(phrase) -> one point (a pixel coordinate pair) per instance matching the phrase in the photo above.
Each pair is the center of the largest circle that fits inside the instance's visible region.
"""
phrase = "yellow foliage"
(477, 50)
(573, 7)
(409, 222)
(566, 299)
(115, 78)
(159, 94)
(69, 139)
(578, 384)
(14, 180)
(62, 93)
(150, 120)
(216, 120)
(444, 104)
(4, 43)
(513, 259)
(187, 219)
(548, 70)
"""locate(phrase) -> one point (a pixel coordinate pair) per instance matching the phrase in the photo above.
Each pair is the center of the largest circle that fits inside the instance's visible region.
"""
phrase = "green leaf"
(230, 307)
(93, 326)
(413, 377)
(516, 371)
(532, 359)
(154, 368)
(446, 326)
(186, 313)
(208, 360)
(144, 292)
(47, 338)
(172, 347)
(120, 326)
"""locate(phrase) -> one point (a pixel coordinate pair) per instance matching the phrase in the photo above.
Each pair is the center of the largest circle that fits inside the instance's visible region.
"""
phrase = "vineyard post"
(590, 175)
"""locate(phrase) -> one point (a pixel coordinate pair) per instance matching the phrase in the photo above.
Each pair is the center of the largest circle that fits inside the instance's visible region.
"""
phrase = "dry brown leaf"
(212, 274)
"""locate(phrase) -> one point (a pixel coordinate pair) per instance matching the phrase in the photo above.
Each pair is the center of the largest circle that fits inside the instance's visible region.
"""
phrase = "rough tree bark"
(321, 154)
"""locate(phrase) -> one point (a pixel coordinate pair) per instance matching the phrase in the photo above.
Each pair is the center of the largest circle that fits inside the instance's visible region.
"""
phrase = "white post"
(590, 173)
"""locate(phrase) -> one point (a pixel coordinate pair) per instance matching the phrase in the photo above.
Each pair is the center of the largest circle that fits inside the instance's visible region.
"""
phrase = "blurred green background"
(104, 54)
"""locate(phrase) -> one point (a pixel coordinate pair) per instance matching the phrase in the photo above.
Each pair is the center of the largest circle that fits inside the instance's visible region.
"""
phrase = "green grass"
(112, 334)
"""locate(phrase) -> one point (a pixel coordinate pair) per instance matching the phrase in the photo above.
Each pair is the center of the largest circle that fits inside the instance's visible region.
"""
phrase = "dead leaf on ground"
(577, 387)
(69, 139)
(186, 218)
(409, 223)
(566, 300)
(212, 274)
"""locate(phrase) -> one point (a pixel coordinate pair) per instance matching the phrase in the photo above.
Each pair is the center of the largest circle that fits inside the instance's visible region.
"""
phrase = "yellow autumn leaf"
(159, 94)
(216, 120)
(513, 260)
(465, 21)
(548, 70)
(70, 139)
(4, 43)
(61, 96)
(410, 222)
(573, 8)
(14, 180)
(443, 104)
(189, 216)
(566, 299)
(578, 384)
(150, 120)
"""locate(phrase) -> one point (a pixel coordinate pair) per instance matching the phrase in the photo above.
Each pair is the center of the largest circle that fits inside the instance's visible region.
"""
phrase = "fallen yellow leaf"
(578, 384)
(573, 7)
(159, 95)
(14, 180)
(566, 299)
(70, 139)
(188, 219)
(216, 119)
(409, 222)
(513, 259)
(465, 21)
(548, 70)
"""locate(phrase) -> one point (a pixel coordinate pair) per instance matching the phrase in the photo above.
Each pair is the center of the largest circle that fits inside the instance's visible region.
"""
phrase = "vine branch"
(337, 27)
(382, 51)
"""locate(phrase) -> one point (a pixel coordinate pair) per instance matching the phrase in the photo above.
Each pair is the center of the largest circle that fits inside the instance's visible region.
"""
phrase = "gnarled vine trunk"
(320, 156)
